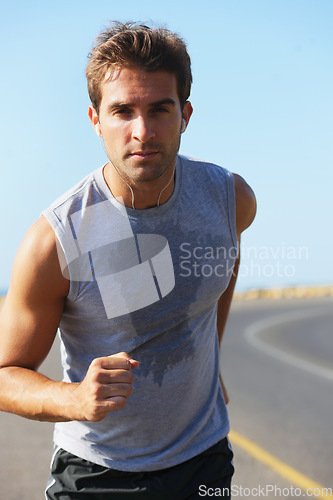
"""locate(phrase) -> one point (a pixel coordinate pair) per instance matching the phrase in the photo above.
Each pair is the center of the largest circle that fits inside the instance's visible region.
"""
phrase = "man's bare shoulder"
(246, 204)
(37, 265)
(40, 235)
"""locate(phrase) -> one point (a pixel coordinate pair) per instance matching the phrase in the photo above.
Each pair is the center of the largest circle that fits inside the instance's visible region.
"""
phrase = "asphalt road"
(277, 366)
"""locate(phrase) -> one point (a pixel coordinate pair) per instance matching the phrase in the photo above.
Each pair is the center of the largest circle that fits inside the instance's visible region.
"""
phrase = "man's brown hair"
(137, 45)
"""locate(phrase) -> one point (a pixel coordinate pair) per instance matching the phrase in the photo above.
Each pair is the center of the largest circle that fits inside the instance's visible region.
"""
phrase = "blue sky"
(262, 99)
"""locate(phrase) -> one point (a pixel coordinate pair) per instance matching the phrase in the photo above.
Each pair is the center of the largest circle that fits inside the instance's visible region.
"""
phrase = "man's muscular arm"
(28, 323)
(245, 212)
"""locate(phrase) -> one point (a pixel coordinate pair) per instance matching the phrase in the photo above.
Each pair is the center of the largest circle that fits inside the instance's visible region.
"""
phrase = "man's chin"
(145, 171)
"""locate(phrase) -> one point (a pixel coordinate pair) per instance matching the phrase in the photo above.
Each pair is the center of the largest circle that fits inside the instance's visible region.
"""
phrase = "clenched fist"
(105, 388)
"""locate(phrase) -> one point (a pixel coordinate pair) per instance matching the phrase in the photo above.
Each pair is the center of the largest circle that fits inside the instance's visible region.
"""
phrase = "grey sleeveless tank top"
(147, 282)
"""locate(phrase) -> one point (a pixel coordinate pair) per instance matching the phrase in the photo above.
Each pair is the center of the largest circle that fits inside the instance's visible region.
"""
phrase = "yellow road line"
(294, 476)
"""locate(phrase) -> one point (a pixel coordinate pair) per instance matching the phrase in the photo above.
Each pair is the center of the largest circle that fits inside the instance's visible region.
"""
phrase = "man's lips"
(143, 154)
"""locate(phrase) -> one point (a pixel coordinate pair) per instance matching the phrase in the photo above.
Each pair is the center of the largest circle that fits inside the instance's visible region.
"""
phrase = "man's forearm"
(223, 309)
(105, 388)
(32, 395)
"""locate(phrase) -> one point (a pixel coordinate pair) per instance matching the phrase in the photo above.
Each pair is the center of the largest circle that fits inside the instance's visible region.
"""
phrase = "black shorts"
(73, 478)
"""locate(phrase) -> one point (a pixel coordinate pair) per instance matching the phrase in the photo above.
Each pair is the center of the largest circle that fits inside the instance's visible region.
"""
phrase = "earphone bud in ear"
(183, 127)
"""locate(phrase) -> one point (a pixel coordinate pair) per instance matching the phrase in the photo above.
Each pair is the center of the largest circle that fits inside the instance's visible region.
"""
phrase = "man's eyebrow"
(168, 100)
(119, 105)
(122, 105)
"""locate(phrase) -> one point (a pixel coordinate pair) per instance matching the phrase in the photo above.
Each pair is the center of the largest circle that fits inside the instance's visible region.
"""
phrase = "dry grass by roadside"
(297, 292)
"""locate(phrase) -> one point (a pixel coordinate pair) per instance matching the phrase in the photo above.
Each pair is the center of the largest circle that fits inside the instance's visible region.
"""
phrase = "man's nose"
(142, 129)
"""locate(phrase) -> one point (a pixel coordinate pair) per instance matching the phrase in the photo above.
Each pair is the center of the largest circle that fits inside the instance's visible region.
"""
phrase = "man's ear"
(93, 116)
(187, 112)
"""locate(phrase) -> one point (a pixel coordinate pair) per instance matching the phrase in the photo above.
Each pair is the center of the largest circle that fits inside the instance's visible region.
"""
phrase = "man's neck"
(139, 195)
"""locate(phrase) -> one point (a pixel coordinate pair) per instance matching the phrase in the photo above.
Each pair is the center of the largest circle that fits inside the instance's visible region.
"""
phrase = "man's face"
(140, 119)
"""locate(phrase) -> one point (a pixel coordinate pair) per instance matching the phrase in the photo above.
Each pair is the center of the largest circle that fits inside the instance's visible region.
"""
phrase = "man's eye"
(161, 109)
(122, 111)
